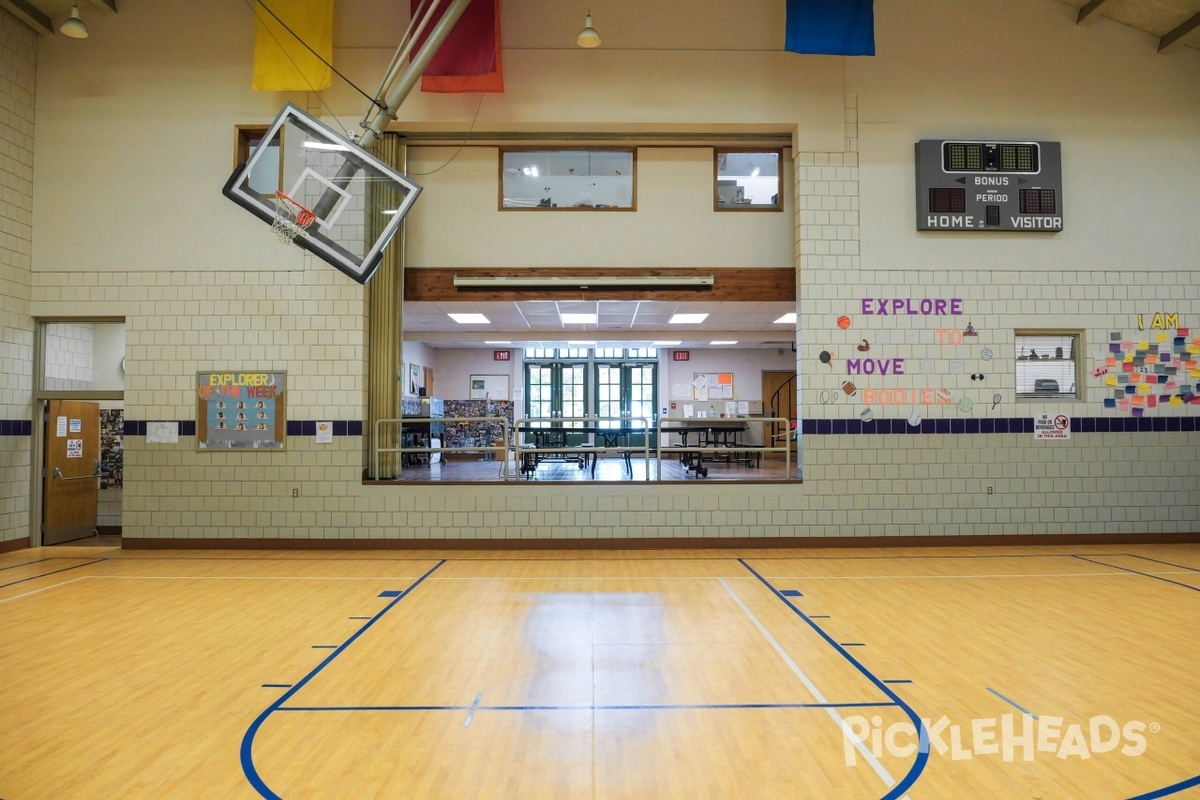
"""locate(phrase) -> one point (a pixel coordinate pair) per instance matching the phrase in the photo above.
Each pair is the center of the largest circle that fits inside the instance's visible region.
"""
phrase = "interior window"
(593, 179)
(747, 180)
(1047, 364)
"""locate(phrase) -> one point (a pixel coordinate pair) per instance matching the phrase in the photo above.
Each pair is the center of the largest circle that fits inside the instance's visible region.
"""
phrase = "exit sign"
(501, 355)
(681, 355)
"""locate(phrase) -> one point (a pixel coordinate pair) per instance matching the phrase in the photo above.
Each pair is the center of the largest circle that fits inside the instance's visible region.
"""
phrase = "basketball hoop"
(291, 219)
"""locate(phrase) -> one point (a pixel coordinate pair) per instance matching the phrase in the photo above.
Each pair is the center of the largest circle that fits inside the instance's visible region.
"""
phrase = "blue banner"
(831, 27)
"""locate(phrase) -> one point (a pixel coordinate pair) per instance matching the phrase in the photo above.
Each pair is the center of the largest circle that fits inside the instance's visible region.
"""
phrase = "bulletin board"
(709, 386)
(241, 410)
(490, 387)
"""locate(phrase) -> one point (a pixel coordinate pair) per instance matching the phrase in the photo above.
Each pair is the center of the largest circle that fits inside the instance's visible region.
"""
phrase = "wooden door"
(779, 400)
(69, 487)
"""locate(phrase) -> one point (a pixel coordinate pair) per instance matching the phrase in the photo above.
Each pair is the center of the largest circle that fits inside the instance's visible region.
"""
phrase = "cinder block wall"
(17, 84)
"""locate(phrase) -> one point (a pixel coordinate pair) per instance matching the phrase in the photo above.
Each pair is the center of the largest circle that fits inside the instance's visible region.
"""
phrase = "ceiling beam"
(1088, 10)
(29, 15)
(1175, 37)
(107, 6)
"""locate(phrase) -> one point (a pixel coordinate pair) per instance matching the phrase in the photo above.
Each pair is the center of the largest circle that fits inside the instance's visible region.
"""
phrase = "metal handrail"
(512, 438)
(665, 425)
(401, 421)
(525, 424)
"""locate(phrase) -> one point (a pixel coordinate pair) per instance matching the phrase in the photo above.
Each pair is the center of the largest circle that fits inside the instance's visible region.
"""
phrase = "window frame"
(503, 151)
(245, 139)
(1078, 343)
(719, 205)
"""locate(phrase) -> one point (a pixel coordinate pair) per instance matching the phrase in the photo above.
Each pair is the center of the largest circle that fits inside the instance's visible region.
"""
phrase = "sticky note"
(1137, 412)
(1162, 337)
(1110, 403)
(1176, 400)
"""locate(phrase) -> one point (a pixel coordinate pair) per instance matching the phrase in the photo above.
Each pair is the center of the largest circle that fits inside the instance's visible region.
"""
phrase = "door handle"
(58, 474)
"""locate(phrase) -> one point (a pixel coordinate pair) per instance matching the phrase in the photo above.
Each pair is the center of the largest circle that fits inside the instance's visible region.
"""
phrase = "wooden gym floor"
(1038, 673)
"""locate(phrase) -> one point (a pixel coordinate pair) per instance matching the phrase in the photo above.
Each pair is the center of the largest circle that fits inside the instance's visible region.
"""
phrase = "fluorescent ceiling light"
(577, 319)
(724, 342)
(573, 341)
(788, 318)
(666, 344)
(489, 341)
(469, 319)
(684, 319)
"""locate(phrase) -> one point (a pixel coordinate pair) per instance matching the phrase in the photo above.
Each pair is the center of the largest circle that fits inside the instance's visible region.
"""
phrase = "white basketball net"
(291, 219)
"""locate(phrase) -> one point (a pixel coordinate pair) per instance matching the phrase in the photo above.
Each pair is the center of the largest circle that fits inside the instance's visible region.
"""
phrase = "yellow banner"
(281, 62)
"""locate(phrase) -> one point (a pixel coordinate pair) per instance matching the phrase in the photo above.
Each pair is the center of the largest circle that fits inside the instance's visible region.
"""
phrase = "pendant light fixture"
(74, 27)
(588, 36)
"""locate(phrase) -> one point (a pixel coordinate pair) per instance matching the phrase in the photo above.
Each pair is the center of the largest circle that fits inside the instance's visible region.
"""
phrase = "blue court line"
(1022, 709)
(1166, 563)
(1187, 783)
(791, 593)
(629, 707)
(1136, 572)
(55, 572)
(247, 748)
(923, 734)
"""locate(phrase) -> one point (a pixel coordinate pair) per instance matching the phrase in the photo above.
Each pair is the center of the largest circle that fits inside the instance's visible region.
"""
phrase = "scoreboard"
(989, 186)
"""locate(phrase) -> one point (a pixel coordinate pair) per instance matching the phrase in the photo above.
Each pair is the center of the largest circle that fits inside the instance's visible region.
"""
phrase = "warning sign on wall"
(1052, 426)
(74, 448)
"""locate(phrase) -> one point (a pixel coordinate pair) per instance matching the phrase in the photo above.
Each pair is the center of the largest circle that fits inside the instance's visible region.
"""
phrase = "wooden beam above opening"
(732, 284)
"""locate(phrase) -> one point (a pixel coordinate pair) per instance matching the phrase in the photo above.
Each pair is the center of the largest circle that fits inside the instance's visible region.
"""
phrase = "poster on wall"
(489, 387)
(241, 410)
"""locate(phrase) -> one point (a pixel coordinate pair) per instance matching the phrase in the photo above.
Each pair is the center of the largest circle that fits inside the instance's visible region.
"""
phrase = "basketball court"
(1049, 672)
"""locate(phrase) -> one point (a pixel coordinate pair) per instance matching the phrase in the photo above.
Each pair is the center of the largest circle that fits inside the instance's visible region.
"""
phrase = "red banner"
(470, 59)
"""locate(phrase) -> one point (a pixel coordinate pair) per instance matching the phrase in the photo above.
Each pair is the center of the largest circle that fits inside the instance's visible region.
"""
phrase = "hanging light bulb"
(74, 27)
(588, 36)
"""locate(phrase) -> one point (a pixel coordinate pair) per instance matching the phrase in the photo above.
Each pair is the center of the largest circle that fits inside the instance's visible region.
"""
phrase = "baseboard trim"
(109, 530)
(14, 544)
(758, 543)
